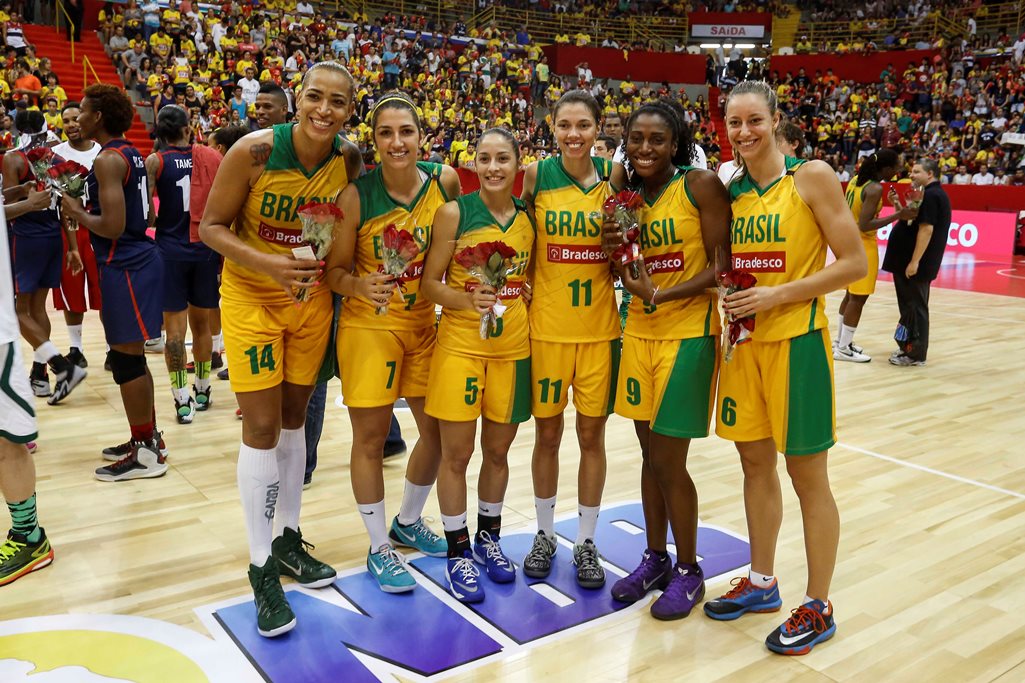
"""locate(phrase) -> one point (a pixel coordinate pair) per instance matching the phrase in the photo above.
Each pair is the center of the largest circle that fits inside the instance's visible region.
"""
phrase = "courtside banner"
(975, 232)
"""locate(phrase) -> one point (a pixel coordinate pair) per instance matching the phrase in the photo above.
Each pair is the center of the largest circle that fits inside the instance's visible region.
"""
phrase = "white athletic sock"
(414, 498)
(202, 384)
(489, 509)
(587, 522)
(218, 342)
(374, 521)
(75, 335)
(544, 508)
(760, 580)
(453, 522)
(45, 352)
(839, 326)
(808, 598)
(846, 336)
(291, 455)
(180, 395)
(259, 489)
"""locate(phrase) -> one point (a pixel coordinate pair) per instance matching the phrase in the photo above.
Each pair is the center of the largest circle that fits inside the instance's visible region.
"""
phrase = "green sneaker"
(18, 557)
(273, 614)
(418, 536)
(290, 551)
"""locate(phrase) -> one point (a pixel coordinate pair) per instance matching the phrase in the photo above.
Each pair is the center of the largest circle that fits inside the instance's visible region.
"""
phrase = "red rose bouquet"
(40, 158)
(6, 141)
(738, 329)
(622, 208)
(398, 250)
(491, 263)
(68, 178)
(318, 224)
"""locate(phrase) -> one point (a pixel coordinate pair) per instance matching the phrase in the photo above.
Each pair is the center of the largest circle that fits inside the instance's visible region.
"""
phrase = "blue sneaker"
(464, 578)
(742, 598)
(388, 567)
(808, 625)
(418, 536)
(487, 552)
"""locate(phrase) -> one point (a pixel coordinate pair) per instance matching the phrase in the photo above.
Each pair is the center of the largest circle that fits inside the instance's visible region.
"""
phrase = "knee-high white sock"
(75, 335)
(218, 343)
(376, 524)
(839, 326)
(846, 336)
(587, 522)
(259, 489)
(414, 498)
(291, 455)
(544, 508)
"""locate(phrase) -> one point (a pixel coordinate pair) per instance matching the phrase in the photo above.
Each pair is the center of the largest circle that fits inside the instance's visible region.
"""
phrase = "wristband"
(653, 295)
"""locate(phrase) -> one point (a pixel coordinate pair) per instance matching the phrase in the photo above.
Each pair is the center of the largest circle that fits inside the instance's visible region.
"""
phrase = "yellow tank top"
(269, 221)
(459, 331)
(776, 238)
(674, 252)
(377, 211)
(855, 200)
(574, 300)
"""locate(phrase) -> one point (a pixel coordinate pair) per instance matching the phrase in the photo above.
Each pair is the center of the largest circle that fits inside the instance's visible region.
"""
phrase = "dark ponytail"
(872, 166)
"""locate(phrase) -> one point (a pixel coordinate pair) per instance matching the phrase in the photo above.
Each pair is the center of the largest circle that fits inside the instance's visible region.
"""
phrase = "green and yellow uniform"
(780, 384)
(383, 357)
(574, 325)
(670, 351)
(855, 200)
(471, 376)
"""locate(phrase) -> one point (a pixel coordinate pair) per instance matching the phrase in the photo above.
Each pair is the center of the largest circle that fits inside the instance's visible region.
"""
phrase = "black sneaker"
(119, 451)
(216, 362)
(292, 555)
(65, 382)
(203, 401)
(392, 450)
(223, 374)
(807, 626)
(538, 562)
(144, 462)
(75, 356)
(590, 573)
(39, 380)
(274, 616)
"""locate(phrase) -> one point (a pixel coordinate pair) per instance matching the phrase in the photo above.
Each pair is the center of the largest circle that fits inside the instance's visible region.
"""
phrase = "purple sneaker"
(653, 572)
(685, 590)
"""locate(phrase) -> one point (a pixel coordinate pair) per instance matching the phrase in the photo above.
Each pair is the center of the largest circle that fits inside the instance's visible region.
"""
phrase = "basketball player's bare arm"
(867, 220)
(443, 246)
(529, 185)
(110, 169)
(354, 167)
(235, 177)
(375, 288)
(28, 200)
(152, 171)
(819, 187)
(618, 177)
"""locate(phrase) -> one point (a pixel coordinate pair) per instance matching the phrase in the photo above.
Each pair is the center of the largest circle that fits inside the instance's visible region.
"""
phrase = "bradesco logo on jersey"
(351, 631)
(575, 253)
(761, 229)
(664, 263)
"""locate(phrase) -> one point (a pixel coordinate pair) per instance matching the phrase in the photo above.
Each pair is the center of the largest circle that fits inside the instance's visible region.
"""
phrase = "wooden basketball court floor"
(929, 476)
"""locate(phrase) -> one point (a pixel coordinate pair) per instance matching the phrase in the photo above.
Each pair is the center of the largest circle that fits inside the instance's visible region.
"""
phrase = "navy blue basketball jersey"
(173, 187)
(43, 223)
(134, 247)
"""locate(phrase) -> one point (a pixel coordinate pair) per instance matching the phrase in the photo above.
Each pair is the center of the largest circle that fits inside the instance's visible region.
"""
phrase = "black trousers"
(913, 302)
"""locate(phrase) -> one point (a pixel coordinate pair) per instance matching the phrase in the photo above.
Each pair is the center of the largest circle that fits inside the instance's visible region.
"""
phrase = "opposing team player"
(670, 345)
(785, 213)
(574, 327)
(280, 342)
(383, 357)
(190, 268)
(473, 377)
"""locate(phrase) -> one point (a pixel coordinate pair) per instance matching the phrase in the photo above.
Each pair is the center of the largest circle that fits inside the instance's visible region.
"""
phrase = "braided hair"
(673, 114)
(872, 166)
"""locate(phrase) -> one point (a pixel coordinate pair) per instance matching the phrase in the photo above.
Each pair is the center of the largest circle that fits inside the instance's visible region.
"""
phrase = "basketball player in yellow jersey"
(386, 356)
(670, 346)
(574, 327)
(865, 197)
(473, 377)
(277, 343)
(776, 393)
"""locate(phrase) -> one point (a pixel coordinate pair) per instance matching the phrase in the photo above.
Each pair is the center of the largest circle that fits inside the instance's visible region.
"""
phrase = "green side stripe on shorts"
(809, 397)
(811, 318)
(521, 393)
(5, 383)
(686, 407)
(615, 353)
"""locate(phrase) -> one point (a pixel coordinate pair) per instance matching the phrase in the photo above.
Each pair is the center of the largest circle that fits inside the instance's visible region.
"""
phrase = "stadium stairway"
(725, 149)
(55, 46)
(784, 31)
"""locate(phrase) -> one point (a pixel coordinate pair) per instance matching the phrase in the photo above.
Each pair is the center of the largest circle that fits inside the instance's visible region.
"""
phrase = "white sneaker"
(144, 462)
(154, 345)
(850, 354)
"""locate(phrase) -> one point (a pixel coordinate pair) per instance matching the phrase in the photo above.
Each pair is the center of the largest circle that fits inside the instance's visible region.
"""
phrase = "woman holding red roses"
(481, 368)
(776, 393)
(670, 345)
(386, 329)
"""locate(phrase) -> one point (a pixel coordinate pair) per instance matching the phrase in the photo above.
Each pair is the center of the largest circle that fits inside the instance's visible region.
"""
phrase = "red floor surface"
(985, 273)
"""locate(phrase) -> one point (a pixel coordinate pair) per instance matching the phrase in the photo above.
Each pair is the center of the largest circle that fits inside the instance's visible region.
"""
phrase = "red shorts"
(71, 296)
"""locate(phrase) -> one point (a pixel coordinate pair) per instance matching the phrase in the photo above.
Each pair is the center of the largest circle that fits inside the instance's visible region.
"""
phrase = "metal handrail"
(57, 25)
(86, 64)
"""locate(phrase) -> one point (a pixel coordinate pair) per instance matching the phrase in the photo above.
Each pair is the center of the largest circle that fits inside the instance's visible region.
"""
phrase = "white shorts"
(17, 414)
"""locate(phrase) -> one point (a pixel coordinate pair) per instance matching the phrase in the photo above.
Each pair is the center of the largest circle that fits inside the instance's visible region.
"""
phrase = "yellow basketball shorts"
(590, 368)
(271, 344)
(867, 285)
(782, 390)
(669, 384)
(379, 366)
(463, 388)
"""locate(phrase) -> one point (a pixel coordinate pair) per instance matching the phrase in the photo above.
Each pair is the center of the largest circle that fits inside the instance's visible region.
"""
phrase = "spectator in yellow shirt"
(562, 39)
(161, 43)
(582, 39)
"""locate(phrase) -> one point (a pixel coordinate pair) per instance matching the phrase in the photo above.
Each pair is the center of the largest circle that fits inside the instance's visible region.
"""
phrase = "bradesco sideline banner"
(975, 232)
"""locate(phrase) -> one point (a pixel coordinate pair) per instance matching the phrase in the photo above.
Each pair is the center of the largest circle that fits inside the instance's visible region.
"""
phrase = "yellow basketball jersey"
(459, 331)
(573, 296)
(776, 238)
(377, 211)
(855, 200)
(674, 252)
(269, 221)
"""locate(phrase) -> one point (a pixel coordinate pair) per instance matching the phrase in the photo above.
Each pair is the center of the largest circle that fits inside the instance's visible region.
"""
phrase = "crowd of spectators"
(628, 8)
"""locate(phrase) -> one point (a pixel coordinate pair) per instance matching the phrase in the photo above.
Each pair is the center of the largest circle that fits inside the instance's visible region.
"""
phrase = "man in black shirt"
(913, 255)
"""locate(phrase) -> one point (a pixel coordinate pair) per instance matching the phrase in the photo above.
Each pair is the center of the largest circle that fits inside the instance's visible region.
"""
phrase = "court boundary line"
(931, 470)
